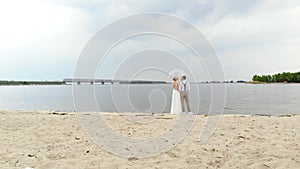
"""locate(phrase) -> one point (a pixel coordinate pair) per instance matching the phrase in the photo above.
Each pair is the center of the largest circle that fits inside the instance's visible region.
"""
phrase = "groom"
(184, 88)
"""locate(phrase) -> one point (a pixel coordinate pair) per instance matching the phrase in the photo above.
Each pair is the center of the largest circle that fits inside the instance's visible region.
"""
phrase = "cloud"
(262, 40)
(51, 33)
(32, 20)
(39, 34)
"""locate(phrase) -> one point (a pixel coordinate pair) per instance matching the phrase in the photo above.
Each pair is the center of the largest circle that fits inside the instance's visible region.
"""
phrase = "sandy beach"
(48, 139)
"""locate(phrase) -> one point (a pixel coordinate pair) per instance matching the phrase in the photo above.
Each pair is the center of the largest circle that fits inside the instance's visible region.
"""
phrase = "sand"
(47, 139)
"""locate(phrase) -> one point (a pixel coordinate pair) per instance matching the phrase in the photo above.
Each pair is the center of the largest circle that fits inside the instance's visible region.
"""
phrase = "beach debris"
(241, 137)
(143, 115)
(227, 143)
(28, 168)
(266, 115)
(31, 155)
(132, 158)
(172, 155)
(286, 115)
(16, 163)
(164, 118)
(59, 113)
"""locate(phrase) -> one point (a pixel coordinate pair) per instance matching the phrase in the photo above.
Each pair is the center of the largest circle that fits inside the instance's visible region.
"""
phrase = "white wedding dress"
(176, 104)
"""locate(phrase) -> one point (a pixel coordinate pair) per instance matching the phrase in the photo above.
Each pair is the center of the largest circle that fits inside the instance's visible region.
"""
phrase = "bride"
(175, 105)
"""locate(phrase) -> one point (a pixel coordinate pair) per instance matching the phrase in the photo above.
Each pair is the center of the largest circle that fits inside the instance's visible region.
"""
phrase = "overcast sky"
(42, 39)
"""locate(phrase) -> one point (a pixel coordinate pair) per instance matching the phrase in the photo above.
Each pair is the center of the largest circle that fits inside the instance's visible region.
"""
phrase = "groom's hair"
(184, 77)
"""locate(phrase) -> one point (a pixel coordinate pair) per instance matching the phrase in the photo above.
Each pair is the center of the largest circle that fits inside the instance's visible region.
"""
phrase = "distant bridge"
(109, 81)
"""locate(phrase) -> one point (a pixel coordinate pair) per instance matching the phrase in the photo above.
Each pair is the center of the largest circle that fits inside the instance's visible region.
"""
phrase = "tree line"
(15, 83)
(280, 77)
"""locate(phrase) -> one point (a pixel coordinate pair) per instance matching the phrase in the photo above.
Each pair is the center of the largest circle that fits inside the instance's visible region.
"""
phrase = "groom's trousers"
(184, 97)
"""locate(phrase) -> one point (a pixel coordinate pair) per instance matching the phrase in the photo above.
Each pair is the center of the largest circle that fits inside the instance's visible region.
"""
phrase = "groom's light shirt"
(184, 86)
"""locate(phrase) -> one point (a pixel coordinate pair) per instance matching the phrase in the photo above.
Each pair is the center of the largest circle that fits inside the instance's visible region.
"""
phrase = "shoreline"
(52, 139)
(71, 112)
(251, 82)
(200, 83)
(59, 112)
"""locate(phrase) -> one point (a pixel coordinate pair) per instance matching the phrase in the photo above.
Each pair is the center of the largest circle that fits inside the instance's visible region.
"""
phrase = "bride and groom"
(180, 96)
